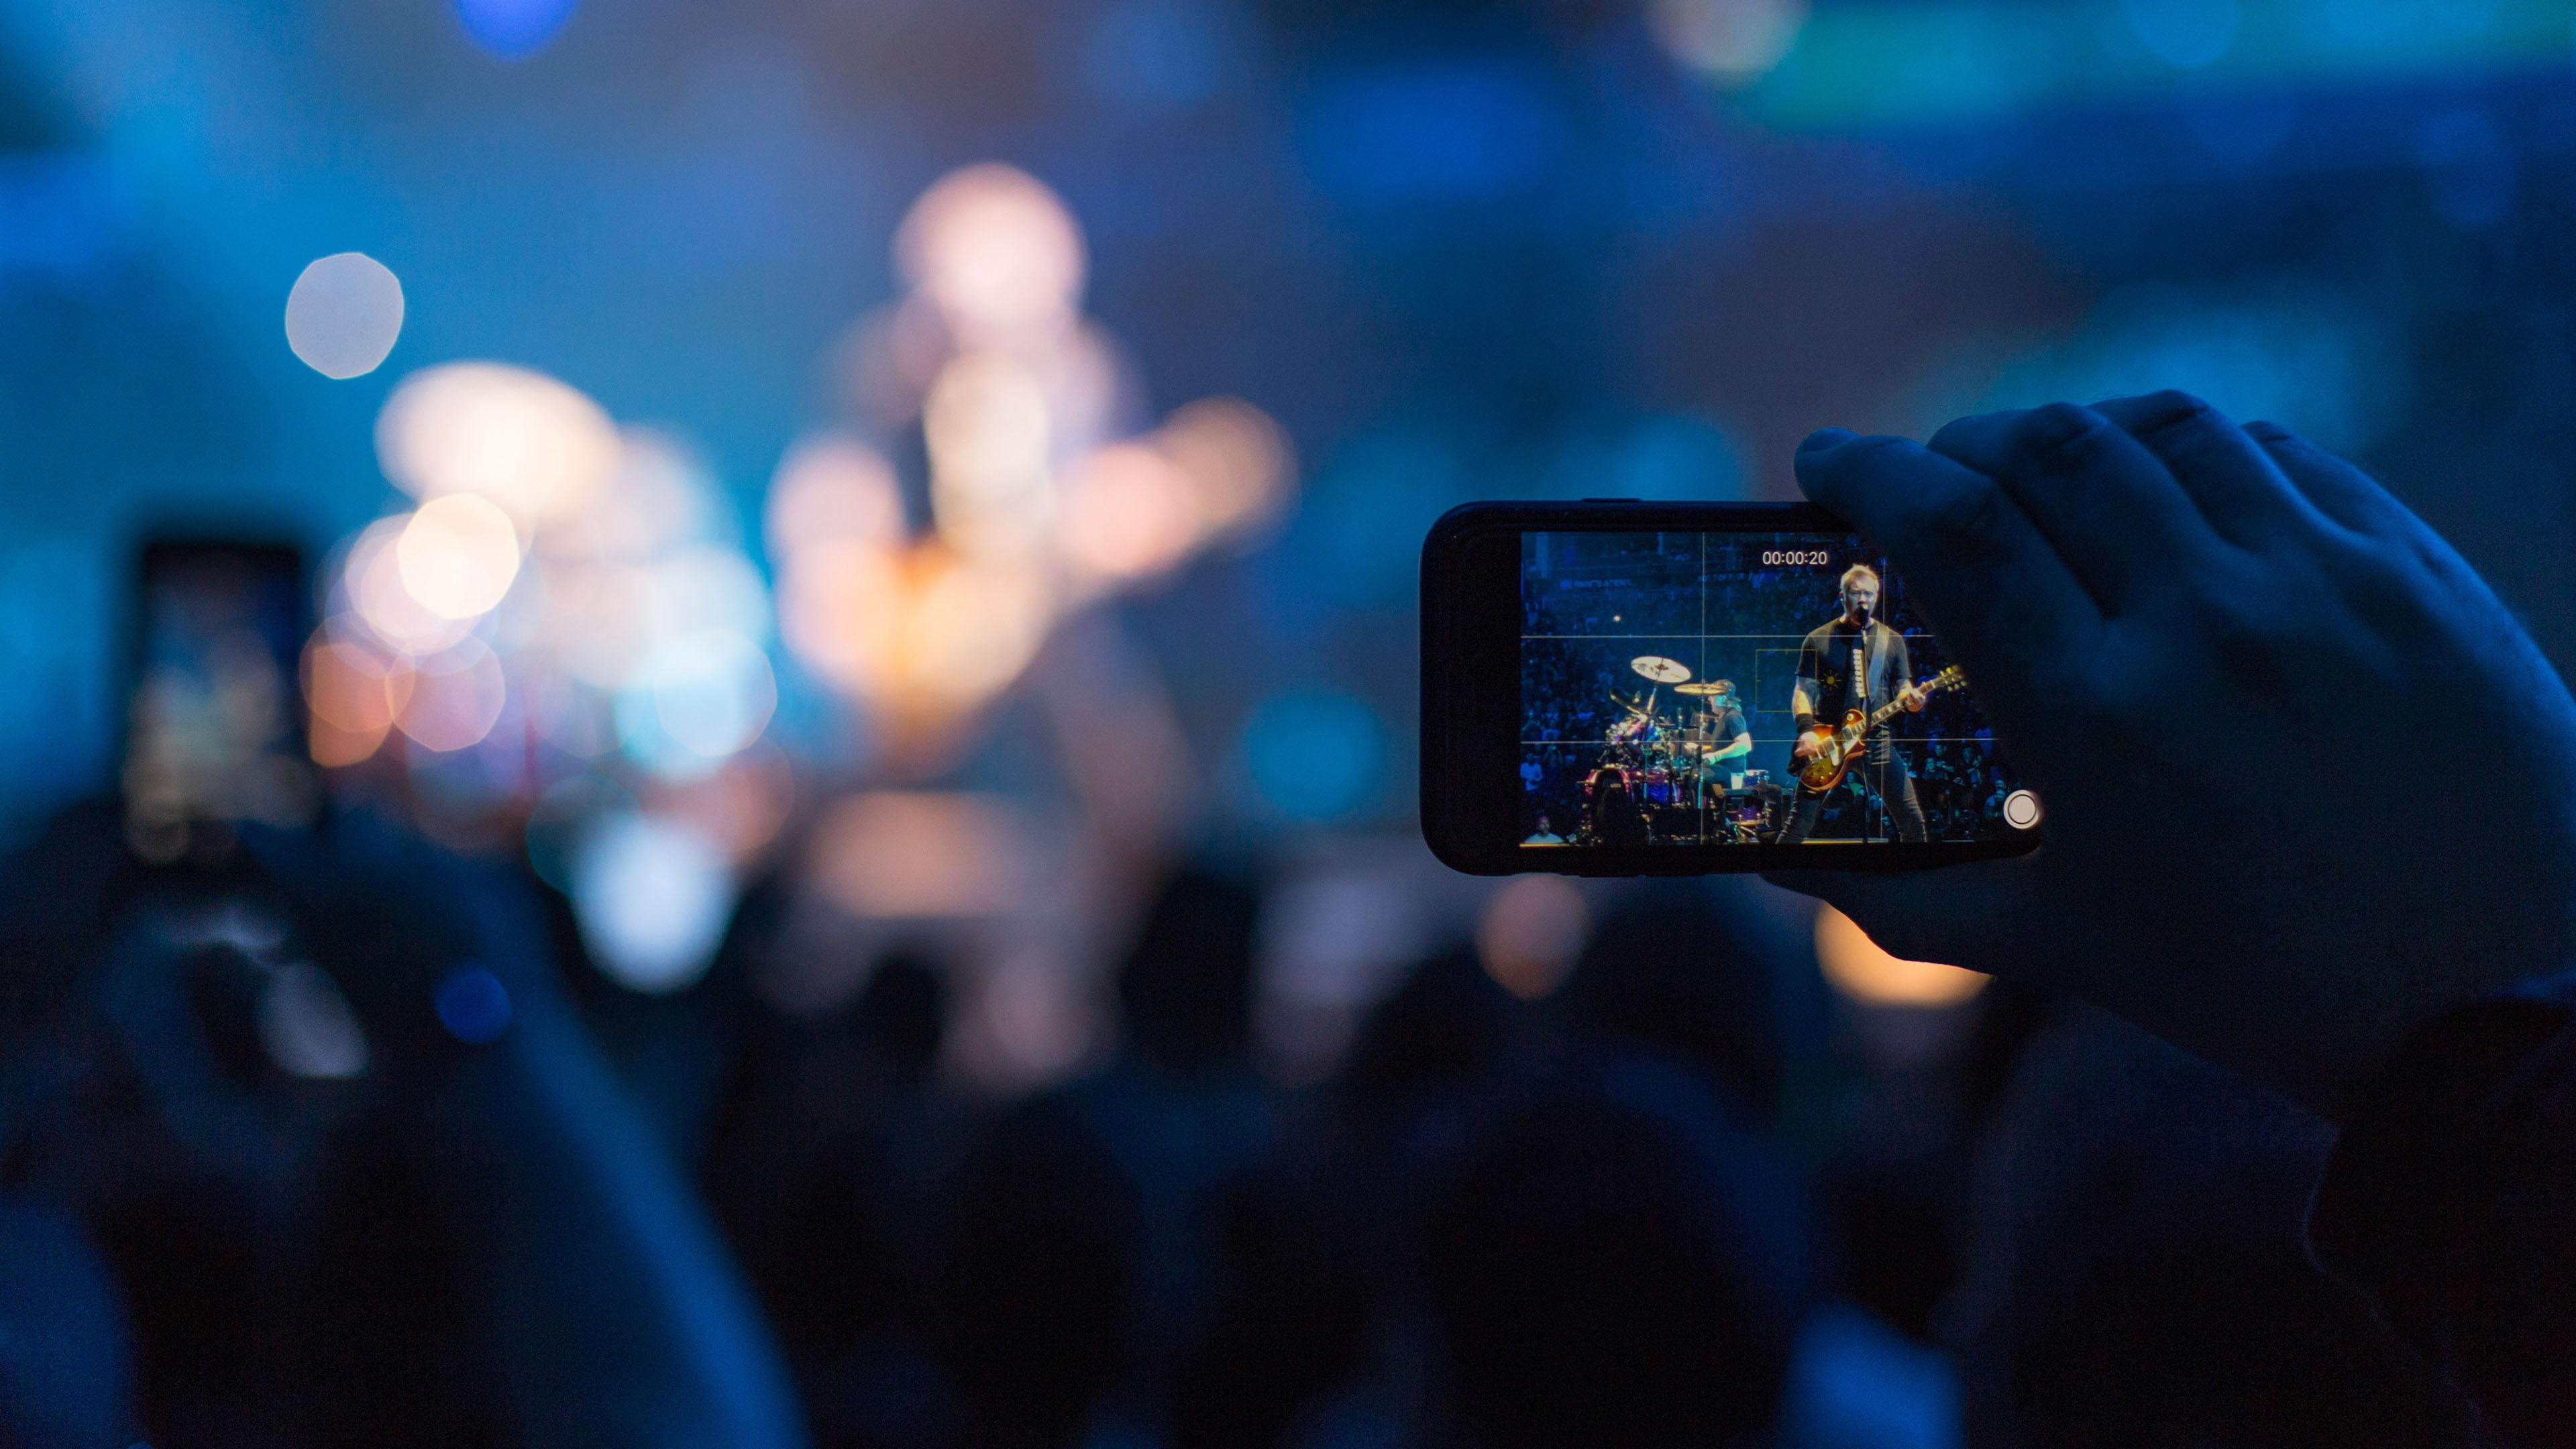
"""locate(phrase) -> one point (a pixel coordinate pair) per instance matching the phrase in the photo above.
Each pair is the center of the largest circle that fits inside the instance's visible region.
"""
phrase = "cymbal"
(1704, 687)
(1659, 669)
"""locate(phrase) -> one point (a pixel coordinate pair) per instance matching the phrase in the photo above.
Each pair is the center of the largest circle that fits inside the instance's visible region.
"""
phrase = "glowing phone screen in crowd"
(214, 727)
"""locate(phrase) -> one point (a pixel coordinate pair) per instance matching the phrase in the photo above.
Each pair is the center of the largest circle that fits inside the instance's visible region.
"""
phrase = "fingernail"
(1825, 438)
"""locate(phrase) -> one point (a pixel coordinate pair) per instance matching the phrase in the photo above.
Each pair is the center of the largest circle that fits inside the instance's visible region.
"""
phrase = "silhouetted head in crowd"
(1186, 988)
(2140, 1276)
(1669, 968)
(903, 1014)
(1440, 1025)
(1615, 817)
(1036, 1315)
(1624, 1263)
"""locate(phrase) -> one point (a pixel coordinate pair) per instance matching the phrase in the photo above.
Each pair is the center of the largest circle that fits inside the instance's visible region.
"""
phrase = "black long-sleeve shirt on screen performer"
(1825, 666)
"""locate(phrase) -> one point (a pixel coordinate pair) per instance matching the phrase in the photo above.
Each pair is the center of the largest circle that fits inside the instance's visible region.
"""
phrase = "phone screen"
(213, 726)
(1712, 689)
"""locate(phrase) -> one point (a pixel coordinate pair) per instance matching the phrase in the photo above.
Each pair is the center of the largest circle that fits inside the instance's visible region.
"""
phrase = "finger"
(2002, 602)
(2243, 494)
(2336, 488)
(2372, 517)
(1975, 915)
(2108, 507)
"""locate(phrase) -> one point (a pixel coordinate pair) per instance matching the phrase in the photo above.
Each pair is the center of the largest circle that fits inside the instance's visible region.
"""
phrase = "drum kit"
(1665, 762)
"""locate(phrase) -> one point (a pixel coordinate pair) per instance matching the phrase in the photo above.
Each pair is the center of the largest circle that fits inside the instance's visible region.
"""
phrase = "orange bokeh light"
(1861, 969)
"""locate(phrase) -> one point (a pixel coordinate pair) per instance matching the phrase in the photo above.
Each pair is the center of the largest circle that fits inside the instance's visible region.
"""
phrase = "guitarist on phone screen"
(1854, 662)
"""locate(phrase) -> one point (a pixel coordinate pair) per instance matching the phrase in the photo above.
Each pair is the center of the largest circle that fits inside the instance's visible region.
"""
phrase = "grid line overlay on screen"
(1583, 698)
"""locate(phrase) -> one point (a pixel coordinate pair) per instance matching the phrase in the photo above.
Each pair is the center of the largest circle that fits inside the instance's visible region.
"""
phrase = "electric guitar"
(1836, 748)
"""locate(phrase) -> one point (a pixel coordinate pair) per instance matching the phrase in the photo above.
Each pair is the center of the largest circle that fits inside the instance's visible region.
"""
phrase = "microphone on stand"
(1860, 655)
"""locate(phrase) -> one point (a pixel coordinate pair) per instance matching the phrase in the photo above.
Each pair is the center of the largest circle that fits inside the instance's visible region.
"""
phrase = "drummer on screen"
(1721, 723)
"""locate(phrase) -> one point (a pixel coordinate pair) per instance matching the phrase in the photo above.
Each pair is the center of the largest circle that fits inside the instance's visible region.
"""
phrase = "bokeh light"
(513, 29)
(705, 586)
(833, 489)
(458, 556)
(1530, 933)
(1128, 513)
(996, 251)
(1860, 969)
(456, 698)
(1315, 756)
(599, 622)
(985, 424)
(741, 805)
(1730, 41)
(835, 602)
(1028, 1021)
(656, 499)
(531, 445)
(370, 593)
(926, 632)
(353, 692)
(343, 314)
(713, 691)
(1236, 459)
(974, 627)
(651, 897)
(472, 1004)
(696, 700)
(903, 854)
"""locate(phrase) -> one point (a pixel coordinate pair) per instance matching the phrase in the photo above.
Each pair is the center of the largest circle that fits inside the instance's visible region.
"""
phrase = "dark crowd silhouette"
(1613, 1216)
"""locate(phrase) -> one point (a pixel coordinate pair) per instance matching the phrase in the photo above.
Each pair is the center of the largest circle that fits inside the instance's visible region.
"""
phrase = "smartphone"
(1622, 688)
(214, 726)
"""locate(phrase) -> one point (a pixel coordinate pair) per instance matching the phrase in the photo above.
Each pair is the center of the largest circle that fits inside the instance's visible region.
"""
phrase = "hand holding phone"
(2193, 638)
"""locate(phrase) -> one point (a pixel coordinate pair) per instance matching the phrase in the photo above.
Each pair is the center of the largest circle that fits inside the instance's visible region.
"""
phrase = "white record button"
(2021, 809)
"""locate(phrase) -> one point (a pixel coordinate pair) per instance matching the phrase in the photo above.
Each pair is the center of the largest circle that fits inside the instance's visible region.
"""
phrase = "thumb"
(1983, 915)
